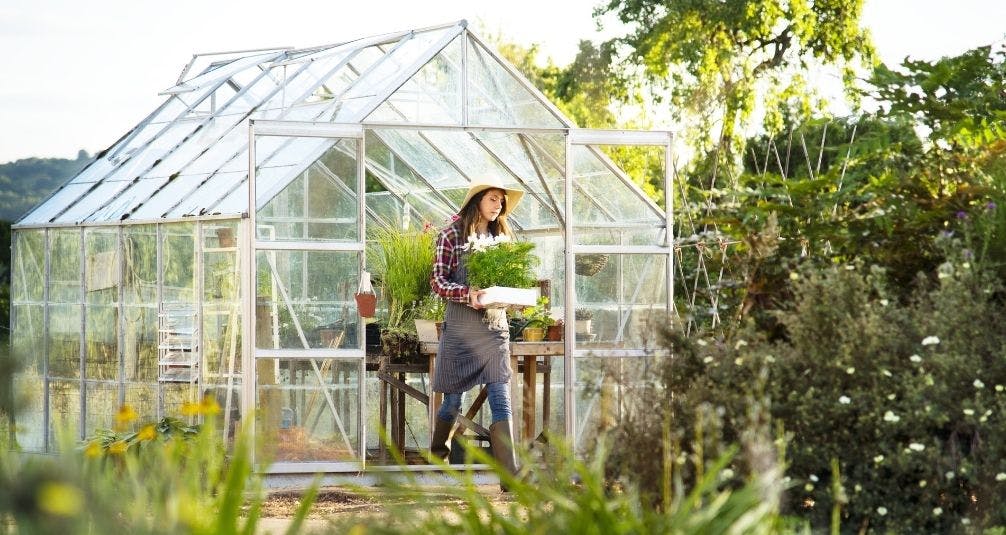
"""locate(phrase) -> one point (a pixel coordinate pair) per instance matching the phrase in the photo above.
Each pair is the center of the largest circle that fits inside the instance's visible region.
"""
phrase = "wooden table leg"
(381, 449)
(530, 376)
(400, 432)
(546, 392)
(515, 367)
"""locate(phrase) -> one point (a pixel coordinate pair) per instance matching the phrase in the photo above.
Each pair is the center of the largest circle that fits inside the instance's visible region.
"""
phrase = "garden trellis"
(215, 248)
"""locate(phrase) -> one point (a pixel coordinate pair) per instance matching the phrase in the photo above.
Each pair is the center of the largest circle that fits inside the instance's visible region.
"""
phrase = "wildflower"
(915, 358)
(937, 511)
(978, 384)
(92, 450)
(858, 488)
(808, 487)
(844, 400)
(118, 447)
(849, 267)
(887, 373)
(60, 499)
(881, 510)
(999, 388)
(794, 276)
(813, 478)
(915, 446)
(190, 409)
(1001, 476)
(209, 406)
(850, 370)
(891, 397)
(740, 344)
(124, 416)
(878, 459)
(149, 432)
(990, 205)
(701, 342)
(889, 416)
(965, 521)
(969, 412)
(738, 361)
(884, 302)
(922, 483)
(707, 360)
(949, 475)
(930, 341)
(961, 214)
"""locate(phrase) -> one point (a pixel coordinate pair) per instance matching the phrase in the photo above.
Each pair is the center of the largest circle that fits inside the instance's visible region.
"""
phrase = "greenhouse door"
(307, 351)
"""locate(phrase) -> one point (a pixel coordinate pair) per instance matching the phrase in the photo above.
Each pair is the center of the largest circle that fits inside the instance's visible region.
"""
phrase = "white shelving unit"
(178, 345)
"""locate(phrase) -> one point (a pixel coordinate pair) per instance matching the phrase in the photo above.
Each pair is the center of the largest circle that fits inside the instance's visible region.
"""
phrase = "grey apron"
(471, 351)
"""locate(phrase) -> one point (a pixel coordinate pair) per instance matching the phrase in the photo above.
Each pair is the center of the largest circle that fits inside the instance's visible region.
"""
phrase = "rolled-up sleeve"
(445, 262)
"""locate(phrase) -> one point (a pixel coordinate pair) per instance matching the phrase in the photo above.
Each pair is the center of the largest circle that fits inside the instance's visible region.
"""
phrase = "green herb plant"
(501, 262)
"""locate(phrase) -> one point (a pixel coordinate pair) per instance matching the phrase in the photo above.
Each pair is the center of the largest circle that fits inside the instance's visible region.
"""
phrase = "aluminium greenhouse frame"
(279, 70)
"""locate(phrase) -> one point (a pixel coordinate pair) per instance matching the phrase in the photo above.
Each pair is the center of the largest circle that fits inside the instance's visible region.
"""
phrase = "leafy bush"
(905, 398)
(402, 262)
(501, 262)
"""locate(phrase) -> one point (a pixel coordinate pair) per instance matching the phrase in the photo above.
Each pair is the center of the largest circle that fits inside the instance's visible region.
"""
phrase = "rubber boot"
(439, 444)
(501, 441)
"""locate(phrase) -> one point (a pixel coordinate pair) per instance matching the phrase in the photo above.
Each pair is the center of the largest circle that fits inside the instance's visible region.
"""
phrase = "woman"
(472, 351)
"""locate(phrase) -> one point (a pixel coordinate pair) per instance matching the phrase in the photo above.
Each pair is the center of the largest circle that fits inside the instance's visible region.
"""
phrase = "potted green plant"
(538, 320)
(401, 262)
(504, 269)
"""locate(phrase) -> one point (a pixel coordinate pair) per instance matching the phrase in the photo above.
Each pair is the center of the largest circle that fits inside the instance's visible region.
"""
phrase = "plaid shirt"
(445, 264)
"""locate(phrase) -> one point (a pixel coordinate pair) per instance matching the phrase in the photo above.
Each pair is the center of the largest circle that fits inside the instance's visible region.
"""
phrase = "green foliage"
(402, 263)
(569, 495)
(162, 478)
(25, 183)
(904, 397)
(509, 263)
(432, 308)
(713, 54)
(539, 315)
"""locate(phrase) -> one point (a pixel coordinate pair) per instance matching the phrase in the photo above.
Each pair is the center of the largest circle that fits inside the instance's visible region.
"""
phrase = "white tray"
(503, 296)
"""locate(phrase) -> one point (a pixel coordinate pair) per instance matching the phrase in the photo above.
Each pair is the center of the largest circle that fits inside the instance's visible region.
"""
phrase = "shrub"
(906, 398)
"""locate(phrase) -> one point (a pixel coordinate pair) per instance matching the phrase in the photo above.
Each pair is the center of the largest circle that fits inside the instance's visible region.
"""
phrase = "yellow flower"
(92, 450)
(209, 406)
(190, 409)
(125, 415)
(147, 433)
(118, 447)
(60, 499)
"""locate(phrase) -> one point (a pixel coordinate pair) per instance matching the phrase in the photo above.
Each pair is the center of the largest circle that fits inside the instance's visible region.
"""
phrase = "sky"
(78, 75)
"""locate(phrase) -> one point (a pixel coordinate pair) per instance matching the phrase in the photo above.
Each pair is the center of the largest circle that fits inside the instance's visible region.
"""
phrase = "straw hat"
(481, 184)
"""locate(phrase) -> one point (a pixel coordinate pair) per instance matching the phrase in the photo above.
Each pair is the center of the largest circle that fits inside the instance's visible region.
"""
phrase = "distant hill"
(25, 183)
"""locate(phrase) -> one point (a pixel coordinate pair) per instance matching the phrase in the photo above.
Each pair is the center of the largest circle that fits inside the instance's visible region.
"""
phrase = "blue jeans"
(499, 403)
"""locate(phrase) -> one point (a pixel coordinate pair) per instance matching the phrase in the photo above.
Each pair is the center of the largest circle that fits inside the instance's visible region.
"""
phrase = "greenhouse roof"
(189, 157)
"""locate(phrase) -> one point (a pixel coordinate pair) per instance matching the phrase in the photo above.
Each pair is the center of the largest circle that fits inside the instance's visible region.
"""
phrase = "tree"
(718, 58)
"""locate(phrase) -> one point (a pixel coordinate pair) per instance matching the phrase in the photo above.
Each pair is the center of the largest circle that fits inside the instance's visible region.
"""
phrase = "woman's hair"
(470, 216)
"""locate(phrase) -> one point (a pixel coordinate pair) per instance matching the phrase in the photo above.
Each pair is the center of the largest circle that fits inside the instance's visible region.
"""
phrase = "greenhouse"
(217, 247)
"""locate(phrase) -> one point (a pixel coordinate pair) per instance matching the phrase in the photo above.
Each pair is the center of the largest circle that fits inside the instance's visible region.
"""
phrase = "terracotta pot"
(366, 304)
(534, 334)
(554, 333)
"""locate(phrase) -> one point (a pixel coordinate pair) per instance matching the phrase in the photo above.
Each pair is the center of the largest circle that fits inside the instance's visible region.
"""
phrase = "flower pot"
(583, 326)
(366, 303)
(427, 330)
(554, 333)
(534, 334)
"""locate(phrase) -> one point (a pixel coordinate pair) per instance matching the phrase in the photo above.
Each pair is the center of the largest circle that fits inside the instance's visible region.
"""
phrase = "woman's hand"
(473, 299)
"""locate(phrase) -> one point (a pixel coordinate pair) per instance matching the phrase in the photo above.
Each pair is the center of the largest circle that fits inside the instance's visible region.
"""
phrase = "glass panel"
(626, 299)
(126, 200)
(143, 399)
(202, 199)
(320, 286)
(432, 95)
(102, 404)
(26, 338)
(221, 346)
(600, 390)
(56, 204)
(179, 262)
(174, 396)
(101, 355)
(139, 350)
(208, 135)
(497, 98)
(417, 154)
(104, 193)
(306, 81)
(159, 148)
(221, 151)
(139, 244)
(308, 409)
(388, 71)
(64, 411)
(101, 270)
(524, 155)
(64, 340)
(29, 423)
(607, 197)
(28, 266)
(320, 203)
